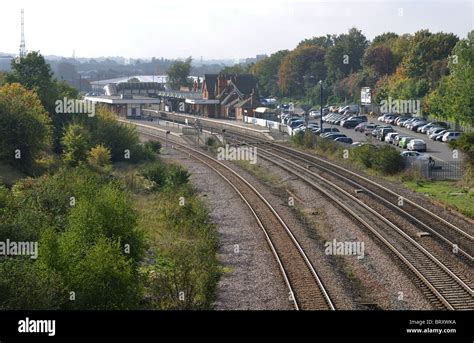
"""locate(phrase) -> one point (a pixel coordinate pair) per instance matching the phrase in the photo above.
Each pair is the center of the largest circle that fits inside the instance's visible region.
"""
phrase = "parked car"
(369, 129)
(397, 139)
(416, 145)
(436, 134)
(402, 143)
(345, 140)
(361, 126)
(325, 130)
(451, 136)
(349, 123)
(349, 109)
(414, 155)
(389, 138)
(295, 123)
(401, 119)
(415, 125)
(433, 129)
(383, 116)
(333, 135)
(382, 132)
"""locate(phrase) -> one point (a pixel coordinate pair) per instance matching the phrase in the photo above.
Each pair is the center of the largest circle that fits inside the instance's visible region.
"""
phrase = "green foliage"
(384, 159)
(99, 157)
(454, 99)
(83, 244)
(425, 48)
(166, 175)
(25, 286)
(35, 75)
(179, 72)
(75, 144)
(301, 69)
(177, 176)
(345, 56)
(266, 72)
(25, 127)
(185, 272)
(154, 146)
(211, 141)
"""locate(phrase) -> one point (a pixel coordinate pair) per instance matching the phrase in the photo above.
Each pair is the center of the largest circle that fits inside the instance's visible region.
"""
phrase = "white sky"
(211, 28)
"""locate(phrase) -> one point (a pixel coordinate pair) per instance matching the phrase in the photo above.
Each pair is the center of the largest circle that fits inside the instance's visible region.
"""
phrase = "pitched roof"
(210, 80)
(245, 83)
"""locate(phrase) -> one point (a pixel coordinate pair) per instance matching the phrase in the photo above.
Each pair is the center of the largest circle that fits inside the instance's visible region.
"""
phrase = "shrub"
(388, 160)
(76, 144)
(176, 176)
(99, 157)
(154, 146)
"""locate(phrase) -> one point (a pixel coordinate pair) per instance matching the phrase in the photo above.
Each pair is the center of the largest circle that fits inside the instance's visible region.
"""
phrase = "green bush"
(388, 160)
(176, 176)
(154, 146)
(385, 159)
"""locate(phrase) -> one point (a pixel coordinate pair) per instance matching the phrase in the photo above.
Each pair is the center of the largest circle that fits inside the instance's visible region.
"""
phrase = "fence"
(437, 170)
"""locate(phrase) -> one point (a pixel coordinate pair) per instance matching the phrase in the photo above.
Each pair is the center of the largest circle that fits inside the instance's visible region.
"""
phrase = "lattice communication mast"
(22, 43)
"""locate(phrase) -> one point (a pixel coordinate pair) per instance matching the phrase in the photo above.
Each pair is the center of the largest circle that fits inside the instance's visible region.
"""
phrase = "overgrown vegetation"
(383, 159)
(107, 240)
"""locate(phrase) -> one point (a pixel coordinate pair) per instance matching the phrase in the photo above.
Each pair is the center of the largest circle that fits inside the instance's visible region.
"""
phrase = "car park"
(401, 119)
(361, 126)
(416, 145)
(349, 123)
(369, 129)
(451, 136)
(326, 130)
(402, 143)
(326, 134)
(389, 138)
(415, 125)
(382, 132)
(345, 140)
(414, 155)
(437, 134)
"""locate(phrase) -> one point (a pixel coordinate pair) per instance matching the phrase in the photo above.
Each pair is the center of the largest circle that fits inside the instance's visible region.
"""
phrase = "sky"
(213, 29)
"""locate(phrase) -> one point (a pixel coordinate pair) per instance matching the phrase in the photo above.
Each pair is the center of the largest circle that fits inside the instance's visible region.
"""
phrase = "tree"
(99, 157)
(266, 72)
(236, 69)
(380, 59)
(322, 41)
(301, 69)
(179, 72)
(425, 48)
(35, 74)
(25, 128)
(453, 99)
(345, 56)
(76, 144)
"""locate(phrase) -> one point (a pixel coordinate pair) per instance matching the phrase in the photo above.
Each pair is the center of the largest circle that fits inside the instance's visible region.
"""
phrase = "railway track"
(306, 290)
(441, 286)
(459, 240)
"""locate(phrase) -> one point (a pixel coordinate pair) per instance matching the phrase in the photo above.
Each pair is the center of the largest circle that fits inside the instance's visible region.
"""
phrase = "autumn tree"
(301, 69)
(25, 128)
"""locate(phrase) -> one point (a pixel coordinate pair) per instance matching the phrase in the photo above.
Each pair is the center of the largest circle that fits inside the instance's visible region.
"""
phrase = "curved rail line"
(446, 287)
(443, 230)
(306, 290)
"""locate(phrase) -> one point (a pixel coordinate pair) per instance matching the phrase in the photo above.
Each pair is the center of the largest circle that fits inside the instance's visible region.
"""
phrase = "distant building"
(128, 99)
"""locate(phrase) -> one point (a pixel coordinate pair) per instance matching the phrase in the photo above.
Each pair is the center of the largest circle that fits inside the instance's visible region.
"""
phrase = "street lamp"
(321, 110)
